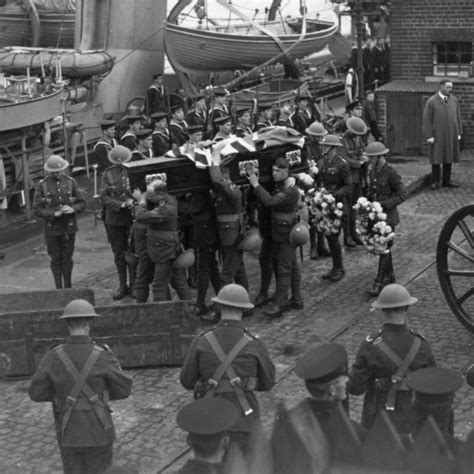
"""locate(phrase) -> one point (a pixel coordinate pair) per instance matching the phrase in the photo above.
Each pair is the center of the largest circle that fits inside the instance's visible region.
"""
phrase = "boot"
(388, 276)
(313, 253)
(123, 288)
(435, 176)
(132, 274)
(57, 275)
(378, 282)
(323, 249)
(67, 274)
(338, 272)
(352, 228)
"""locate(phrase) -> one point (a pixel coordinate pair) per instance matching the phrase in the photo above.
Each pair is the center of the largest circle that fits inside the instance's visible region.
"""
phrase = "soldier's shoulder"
(102, 346)
(374, 337)
(252, 337)
(418, 334)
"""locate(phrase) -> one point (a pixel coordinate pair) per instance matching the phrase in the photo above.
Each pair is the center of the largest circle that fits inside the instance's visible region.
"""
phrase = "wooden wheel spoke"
(462, 273)
(465, 296)
(455, 248)
(467, 232)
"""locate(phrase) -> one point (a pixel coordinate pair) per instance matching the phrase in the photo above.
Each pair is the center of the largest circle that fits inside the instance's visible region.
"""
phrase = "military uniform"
(302, 120)
(114, 192)
(218, 112)
(86, 442)
(156, 99)
(145, 268)
(161, 142)
(129, 139)
(284, 203)
(229, 228)
(51, 194)
(242, 132)
(163, 245)
(101, 150)
(262, 123)
(178, 132)
(252, 365)
(373, 370)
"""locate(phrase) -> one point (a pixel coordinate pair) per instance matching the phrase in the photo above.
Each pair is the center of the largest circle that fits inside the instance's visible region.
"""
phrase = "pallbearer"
(105, 143)
(161, 140)
(129, 138)
(243, 127)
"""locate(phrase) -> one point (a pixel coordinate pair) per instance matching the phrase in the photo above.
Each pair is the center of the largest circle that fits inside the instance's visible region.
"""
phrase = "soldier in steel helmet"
(386, 187)
(385, 358)
(207, 422)
(353, 141)
(335, 175)
(79, 377)
(58, 200)
(230, 363)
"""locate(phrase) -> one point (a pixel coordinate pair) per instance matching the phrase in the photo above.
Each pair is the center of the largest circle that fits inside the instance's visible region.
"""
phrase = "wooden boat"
(73, 63)
(20, 27)
(244, 45)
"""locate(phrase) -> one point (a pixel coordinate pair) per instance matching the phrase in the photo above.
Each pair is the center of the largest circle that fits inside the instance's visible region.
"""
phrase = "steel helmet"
(131, 258)
(356, 125)
(119, 154)
(331, 140)
(376, 149)
(233, 295)
(79, 309)
(316, 129)
(252, 242)
(55, 163)
(299, 234)
(185, 260)
(394, 296)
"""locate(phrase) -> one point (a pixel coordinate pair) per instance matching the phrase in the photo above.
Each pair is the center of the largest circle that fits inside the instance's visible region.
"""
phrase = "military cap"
(157, 116)
(195, 129)
(156, 76)
(354, 104)
(119, 154)
(79, 309)
(207, 416)
(433, 384)
(55, 163)
(241, 111)
(281, 163)
(265, 106)
(222, 120)
(176, 107)
(470, 375)
(323, 363)
(220, 91)
(107, 124)
(134, 117)
(144, 133)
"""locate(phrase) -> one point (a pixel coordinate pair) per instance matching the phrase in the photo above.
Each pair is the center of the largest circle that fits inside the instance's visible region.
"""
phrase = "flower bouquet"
(326, 212)
(371, 226)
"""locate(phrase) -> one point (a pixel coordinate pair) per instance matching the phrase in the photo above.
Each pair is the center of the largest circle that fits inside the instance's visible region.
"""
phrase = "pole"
(26, 176)
(360, 61)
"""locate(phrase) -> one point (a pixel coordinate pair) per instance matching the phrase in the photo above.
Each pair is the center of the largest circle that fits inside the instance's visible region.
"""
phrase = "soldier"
(324, 371)
(229, 224)
(224, 125)
(105, 143)
(265, 115)
(244, 123)
(178, 127)
(144, 145)
(386, 187)
(79, 377)
(159, 210)
(129, 138)
(220, 108)
(386, 357)
(317, 244)
(434, 389)
(161, 141)
(303, 117)
(207, 422)
(157, 98)
(230, 363)
(285, 118)
(58, 200)
(334, 175)
(284, 203)
(197, 115)
(117, 199)
(355, 157)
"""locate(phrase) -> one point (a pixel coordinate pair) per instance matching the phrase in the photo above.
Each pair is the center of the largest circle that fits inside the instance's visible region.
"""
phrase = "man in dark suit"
(161, 140)
(156, 95)
(78, 378)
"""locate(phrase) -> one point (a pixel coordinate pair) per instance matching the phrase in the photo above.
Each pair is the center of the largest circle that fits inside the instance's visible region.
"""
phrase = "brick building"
(430, 40)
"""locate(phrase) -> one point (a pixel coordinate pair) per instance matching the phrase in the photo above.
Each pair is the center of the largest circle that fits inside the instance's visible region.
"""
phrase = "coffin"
(182, 175)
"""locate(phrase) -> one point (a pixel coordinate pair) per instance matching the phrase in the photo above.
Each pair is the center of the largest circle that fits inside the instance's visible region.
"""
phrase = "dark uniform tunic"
(51, 194)
(263, 124)
(284, 203)
(373, 370)
(242, 132)
(161, 142)
(163, 246)
(179, 132)
(253, 365)
(196, 118)
(52, 382)
(302, 120)
(129, 139)
(101, 150)
(114, 191)
(229, 228)
(156, 99)
(287, 449)
(217, 112)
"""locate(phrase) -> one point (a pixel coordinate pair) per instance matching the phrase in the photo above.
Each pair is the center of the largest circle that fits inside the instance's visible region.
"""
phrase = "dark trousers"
(145, 267)
(336, 250)
(60, 249)
(94, 460)
(207, 269)
(233, 269)
(284, 256)
(165, 274)
(436, 173)
(265, 259)
(118, 238)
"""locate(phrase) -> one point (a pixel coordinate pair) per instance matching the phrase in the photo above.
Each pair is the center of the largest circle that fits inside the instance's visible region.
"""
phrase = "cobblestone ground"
(147, 436)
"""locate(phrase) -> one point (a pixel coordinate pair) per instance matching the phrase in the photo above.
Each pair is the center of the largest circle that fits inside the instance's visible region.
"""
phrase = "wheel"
(455, 264)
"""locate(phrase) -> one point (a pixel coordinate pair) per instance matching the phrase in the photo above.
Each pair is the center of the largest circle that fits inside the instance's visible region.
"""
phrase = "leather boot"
(67, 274)
(323, 249)
(123, 288)
(339, 271)
(57, 275)
(313, 253)
(132, 274)
(378, 282)
(388, 276)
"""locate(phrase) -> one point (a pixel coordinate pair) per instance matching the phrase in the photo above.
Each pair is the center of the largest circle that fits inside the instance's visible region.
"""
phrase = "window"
(452, 58)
